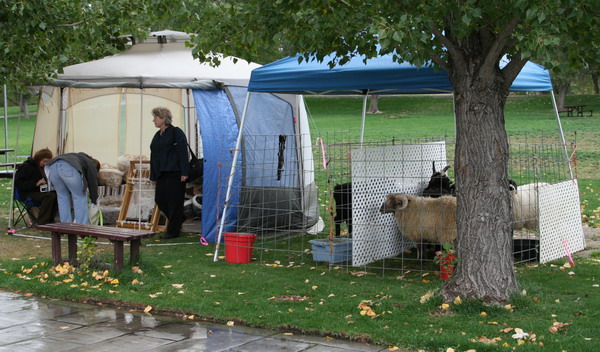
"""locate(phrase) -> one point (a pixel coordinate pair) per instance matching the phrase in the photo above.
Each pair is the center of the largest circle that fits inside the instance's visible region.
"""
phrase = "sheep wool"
(423, 219)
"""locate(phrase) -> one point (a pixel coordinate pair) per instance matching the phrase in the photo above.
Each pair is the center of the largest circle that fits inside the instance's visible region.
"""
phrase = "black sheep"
(439, 184)
(342, 193)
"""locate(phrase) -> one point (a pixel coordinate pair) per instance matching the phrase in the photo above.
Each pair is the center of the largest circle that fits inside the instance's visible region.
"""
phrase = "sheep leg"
(338, 223)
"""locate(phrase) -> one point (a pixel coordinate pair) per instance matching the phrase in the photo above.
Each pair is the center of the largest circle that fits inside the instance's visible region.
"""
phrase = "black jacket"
(28, 174)
(169, 153)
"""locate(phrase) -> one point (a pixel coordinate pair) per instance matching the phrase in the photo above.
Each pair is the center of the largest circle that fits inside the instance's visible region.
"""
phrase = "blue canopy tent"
(380, 75)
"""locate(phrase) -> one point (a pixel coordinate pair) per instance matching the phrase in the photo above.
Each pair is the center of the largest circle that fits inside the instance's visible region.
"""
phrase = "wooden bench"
(116, 235)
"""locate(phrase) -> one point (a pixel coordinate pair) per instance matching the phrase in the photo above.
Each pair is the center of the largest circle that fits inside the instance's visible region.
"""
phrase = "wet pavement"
(38, 324)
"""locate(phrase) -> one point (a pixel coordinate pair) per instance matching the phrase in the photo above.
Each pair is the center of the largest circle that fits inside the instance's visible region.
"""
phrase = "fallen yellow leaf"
(167, 266)
(230, 323)
(457, 300)
(177, 285)
(137, 270)
(445, 306)
(115, 282)
(147, 309)
(483, 314)
(393, 348)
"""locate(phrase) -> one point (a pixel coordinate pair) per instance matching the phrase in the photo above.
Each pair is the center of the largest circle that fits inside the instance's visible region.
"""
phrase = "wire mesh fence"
(328, 206)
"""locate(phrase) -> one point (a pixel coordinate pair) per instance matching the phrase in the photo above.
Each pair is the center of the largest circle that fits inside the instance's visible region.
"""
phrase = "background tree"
(467, 38)
(40, 37)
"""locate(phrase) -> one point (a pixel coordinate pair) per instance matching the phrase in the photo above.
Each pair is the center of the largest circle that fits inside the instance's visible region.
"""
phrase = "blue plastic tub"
(342, 250)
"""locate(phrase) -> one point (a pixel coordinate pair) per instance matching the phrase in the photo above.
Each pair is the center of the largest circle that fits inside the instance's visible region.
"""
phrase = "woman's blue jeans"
(68, 182)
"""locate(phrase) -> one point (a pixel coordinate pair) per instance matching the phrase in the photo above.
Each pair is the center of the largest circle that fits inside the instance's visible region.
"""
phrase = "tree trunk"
(595, 82)
(562, 87)
(24, 106)
(484, 232)
(373, 107)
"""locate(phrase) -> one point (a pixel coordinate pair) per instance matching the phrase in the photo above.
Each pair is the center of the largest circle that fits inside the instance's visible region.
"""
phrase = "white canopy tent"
(103, 107)
(120, 90)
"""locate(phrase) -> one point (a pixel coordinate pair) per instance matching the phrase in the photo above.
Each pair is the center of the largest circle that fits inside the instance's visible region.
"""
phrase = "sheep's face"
(512, 186)
(393, 202)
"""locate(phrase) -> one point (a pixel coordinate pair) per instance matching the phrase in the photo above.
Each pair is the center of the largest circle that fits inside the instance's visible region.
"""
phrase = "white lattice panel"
(375, 173)
(560, 220)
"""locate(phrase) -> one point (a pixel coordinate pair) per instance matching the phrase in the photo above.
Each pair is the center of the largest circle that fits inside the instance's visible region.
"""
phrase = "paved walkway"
(37, 324)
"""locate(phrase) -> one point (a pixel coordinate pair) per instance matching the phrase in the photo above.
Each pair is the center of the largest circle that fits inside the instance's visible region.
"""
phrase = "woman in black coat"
(169, 169)
(31, 182)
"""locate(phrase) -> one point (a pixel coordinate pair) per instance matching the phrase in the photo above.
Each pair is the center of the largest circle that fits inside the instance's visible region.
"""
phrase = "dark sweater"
(169, 153)
(27, 176)
(84, 164)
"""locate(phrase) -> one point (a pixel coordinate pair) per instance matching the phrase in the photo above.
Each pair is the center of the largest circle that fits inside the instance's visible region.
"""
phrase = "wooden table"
(116, 235)
(4, 151)
(578, 109)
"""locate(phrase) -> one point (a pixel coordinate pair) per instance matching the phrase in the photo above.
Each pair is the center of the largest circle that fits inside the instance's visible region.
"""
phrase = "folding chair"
(26, 210)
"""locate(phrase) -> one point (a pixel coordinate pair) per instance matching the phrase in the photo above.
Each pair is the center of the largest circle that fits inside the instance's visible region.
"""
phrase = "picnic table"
(116, 235)
(578, 109)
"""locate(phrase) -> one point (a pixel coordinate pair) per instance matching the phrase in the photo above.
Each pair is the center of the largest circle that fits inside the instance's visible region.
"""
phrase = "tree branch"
(452, 49)
(71, 24)
(495, 50)
(512, 69)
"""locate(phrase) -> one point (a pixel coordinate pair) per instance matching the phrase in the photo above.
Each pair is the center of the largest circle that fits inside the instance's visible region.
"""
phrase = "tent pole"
(364, 116)
(562, 134)
(5, 123)
(12, 184)
(231, 174)
(140, 161)
(62, 121)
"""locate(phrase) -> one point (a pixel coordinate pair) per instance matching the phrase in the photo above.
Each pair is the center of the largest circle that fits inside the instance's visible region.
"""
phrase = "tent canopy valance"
(380, 75)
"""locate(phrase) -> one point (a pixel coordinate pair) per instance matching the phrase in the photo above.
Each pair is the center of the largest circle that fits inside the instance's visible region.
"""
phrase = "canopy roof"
(164, 63)
(379, 75)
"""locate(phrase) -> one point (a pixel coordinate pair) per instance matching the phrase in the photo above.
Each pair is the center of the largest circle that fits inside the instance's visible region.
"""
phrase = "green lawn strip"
(185, 278)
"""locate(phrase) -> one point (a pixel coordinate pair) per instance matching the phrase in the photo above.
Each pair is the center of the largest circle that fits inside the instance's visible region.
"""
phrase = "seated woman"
(32, 183)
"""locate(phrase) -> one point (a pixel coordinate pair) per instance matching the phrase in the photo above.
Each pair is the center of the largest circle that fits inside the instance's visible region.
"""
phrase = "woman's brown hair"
(41, 155)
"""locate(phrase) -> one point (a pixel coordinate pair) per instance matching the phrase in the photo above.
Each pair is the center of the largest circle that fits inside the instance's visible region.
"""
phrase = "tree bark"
(484, 233)
(373, 107)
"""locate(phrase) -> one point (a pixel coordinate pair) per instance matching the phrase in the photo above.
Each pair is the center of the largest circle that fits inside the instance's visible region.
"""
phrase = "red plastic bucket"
(238, 247)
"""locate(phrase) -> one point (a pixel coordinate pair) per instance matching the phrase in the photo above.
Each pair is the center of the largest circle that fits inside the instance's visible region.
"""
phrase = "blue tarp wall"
(219, 129)
(267, 191)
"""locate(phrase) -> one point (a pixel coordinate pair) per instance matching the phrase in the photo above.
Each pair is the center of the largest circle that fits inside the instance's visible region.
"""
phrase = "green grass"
(241, 292)
(185, 278)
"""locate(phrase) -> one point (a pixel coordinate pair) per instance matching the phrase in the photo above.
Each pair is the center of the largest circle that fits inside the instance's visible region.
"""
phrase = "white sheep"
(423, 219)
(525, 206)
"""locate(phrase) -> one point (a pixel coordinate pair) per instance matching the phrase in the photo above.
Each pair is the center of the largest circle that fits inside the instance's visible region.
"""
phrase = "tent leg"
(364, 117)
(562, 134)
(231, 174)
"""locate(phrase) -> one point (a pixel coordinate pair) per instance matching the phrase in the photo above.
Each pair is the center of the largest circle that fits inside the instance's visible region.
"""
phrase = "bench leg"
(56, 254)
(118, 261)
(72, 249)
(134, 251)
